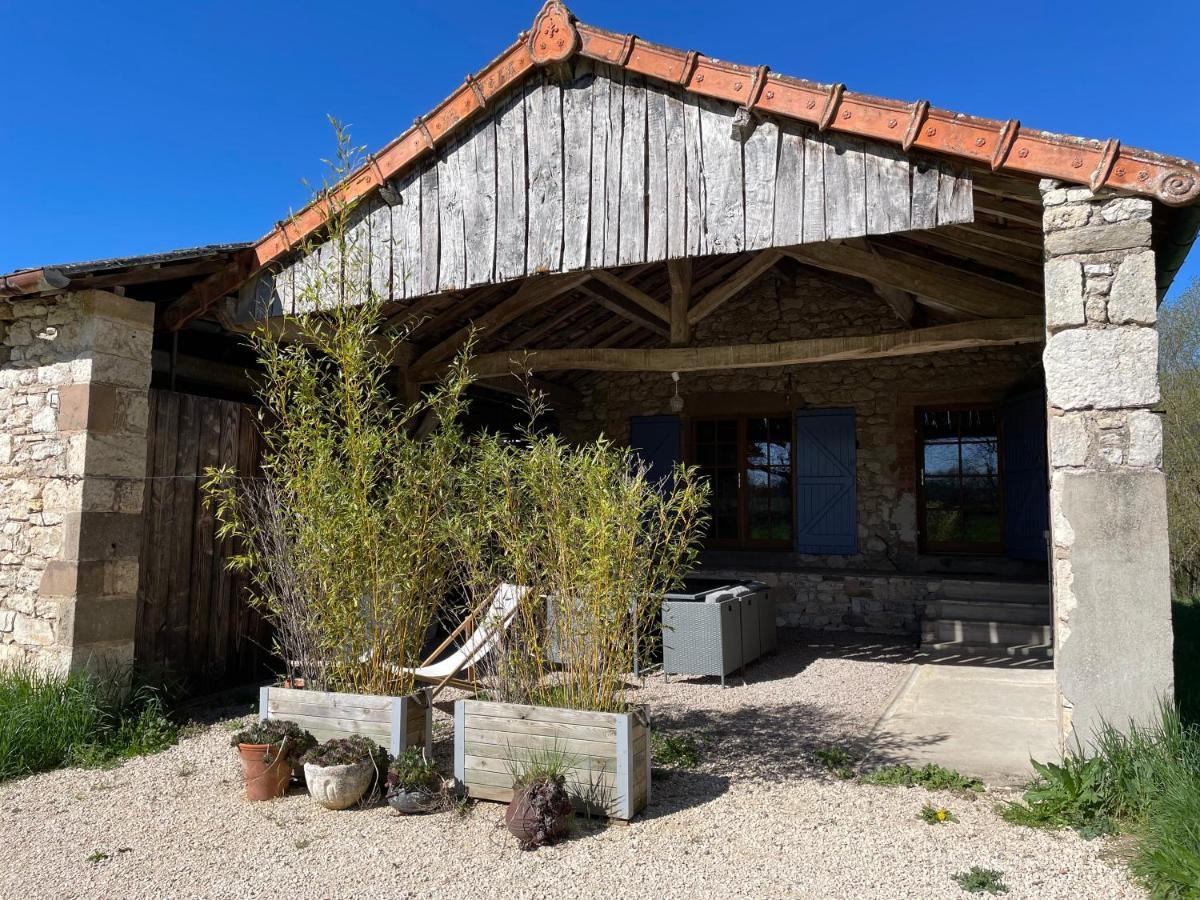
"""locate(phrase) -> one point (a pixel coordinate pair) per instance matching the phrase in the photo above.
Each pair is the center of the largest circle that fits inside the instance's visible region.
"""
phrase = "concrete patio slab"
(978, 721)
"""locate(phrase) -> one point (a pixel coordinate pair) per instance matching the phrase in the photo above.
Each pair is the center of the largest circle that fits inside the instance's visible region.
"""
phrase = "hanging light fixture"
(676, 400)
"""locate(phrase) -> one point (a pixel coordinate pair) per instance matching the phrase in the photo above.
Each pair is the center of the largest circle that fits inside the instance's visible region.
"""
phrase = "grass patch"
(1145, 781)
(981, 881)
(676, 751)
(48, 721)
(929, 776)
(837, 760)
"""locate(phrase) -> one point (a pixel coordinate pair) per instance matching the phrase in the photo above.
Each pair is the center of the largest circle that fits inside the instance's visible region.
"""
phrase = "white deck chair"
(489, 621)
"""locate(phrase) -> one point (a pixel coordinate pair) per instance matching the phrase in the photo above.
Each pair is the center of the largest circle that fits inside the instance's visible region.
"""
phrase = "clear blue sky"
(139, 127)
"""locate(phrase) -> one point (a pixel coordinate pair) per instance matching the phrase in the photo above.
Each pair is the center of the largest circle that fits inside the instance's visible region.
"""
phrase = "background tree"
(1179, 353)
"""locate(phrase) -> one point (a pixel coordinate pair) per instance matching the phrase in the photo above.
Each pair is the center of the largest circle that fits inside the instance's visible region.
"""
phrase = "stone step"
(982, 652)
(983, 632)
(996, 591)
(982, 610)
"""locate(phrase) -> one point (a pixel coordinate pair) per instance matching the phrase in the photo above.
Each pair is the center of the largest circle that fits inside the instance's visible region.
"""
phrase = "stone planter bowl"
(411, 803)
(338, 787)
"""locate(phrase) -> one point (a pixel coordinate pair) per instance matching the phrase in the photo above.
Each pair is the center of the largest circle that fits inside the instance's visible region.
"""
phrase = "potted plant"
(268, 751)
(540, 810)
(341, 770)
(413, 783)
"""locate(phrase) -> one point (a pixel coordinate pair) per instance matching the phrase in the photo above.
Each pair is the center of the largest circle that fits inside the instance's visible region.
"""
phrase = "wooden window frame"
(957, 548)
(743, 514)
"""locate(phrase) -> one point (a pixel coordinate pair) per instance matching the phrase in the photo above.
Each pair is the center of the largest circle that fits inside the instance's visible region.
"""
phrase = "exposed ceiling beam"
(959, 335)
(626, 311)
(532, 335)
(954, 290)
(679, 275)
(737, 282)
(902, 303)
(640, 297)
(532, 293)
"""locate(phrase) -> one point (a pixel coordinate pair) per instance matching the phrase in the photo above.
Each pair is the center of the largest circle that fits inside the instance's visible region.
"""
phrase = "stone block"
(1069, 439)
(1074, 215)
(1145, 439)
(1124, 209)
(1064, 294)
(1134, 294)
(104, 620)
(31, 631)
(1104, 368)
(1098, 238)
(104, 535)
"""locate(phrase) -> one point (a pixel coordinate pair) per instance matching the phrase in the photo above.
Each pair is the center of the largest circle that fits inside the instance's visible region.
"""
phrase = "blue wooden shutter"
(826, 499)
(656, 440)
(1023, 441)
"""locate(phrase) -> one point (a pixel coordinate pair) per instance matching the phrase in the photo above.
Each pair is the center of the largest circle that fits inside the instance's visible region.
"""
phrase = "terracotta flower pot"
(339, 787)
(527, 826)
(264, 780)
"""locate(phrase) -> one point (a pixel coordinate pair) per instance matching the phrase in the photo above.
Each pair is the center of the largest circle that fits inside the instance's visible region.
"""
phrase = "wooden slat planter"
(609, 752)
(396, 723)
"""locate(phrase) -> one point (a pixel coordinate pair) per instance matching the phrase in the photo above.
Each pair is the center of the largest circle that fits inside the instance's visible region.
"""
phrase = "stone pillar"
(74, 381)
(1108, 508)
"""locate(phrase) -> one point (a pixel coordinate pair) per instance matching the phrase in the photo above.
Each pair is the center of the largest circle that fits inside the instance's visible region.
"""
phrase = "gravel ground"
(759, 818)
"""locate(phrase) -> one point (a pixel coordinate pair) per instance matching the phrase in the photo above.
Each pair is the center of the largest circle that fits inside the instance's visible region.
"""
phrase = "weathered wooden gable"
(611, 169)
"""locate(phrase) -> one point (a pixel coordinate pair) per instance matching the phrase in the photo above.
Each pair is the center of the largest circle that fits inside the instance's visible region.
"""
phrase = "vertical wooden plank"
(956, 202)
(329, 274)
(143, 629)
(479, 212)
(577, 166)
(510, 189)
(612, 168)
(624, 786)
(460, 741)
(760, 156)
(697, 239)
(676, 145)
(724, 200)
(379, 220)
(162, 497)
(925, 177)
(889, 191)
(845, 188)
(814, 188)
(787, 228)
(203, 530)
(452, 190)
(543, 134)
(406, 237)
(306, 275)
(222, 582)
(657, 222)
(244, 637)
(264, 701)
(601, 136)
(430, 236)
(356, 255)
(399, 724)
(184, 491)
(632, 230)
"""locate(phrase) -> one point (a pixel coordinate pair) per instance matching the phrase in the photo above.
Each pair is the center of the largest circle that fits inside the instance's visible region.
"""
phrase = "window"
(960, 506)
(748, 463)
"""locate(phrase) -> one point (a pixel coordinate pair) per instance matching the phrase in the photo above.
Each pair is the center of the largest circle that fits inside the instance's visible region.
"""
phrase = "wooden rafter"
(626, 311)
(638, 296)
(960, 335)
(679, 275)
(734, 284)
(552, 322)
(956, 291)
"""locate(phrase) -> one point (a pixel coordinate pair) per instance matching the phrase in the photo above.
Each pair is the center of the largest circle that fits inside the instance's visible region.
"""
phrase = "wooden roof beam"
(626, 311)
(679, 275)
(959, 335)
(737, 282)
(638, 296)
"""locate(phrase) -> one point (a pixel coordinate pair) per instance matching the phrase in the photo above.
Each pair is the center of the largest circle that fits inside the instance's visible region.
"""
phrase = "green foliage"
(981, 881)
(346, 752)
(289, 737)
(678, 751)
(411, 771)
(348, 535)
(583, 527)
(545, 766)
(931, 777)
(1179, 366)
(936, 815)
(1145, 780)
(837, 760)
(96, 856)
(48, 721)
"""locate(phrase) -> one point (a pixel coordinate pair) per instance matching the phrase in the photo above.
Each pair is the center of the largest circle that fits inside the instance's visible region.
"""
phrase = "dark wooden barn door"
(193, 618)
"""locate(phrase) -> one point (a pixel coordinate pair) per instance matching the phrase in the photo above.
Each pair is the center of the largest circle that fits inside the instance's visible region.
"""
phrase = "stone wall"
(74, 376)
(884, 395)
(1111, 579)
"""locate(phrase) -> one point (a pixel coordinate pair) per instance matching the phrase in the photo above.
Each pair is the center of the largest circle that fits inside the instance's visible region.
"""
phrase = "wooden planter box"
(396, 723)
(609, 752)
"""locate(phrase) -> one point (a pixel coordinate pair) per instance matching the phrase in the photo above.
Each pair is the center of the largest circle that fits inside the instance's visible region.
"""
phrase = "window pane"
(727, 430)
(939, 423)
(727, 455)
(941, 459)
(944, 526)
(980, 457)
(941, 492)
(980, 493)
(706, 432)
(978, 423)
(981, 527)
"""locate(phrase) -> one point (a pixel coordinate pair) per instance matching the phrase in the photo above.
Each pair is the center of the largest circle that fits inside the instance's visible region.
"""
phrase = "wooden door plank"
(143, 634)
(222, 580)
(543, 134)
(203, 532)
(185, 490)
(761, 154)
(510, 189)
(577, 162)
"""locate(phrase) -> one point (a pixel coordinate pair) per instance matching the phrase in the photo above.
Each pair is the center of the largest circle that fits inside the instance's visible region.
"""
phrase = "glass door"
(748, 463)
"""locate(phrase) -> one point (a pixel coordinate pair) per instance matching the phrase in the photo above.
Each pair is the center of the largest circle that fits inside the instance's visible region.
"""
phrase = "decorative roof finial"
(553, 37)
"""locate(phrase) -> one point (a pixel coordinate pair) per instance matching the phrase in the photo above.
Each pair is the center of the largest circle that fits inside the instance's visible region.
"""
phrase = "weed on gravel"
(837, 760)
(981, 881)
(936, 815)
(931, 777)
(675, 751)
